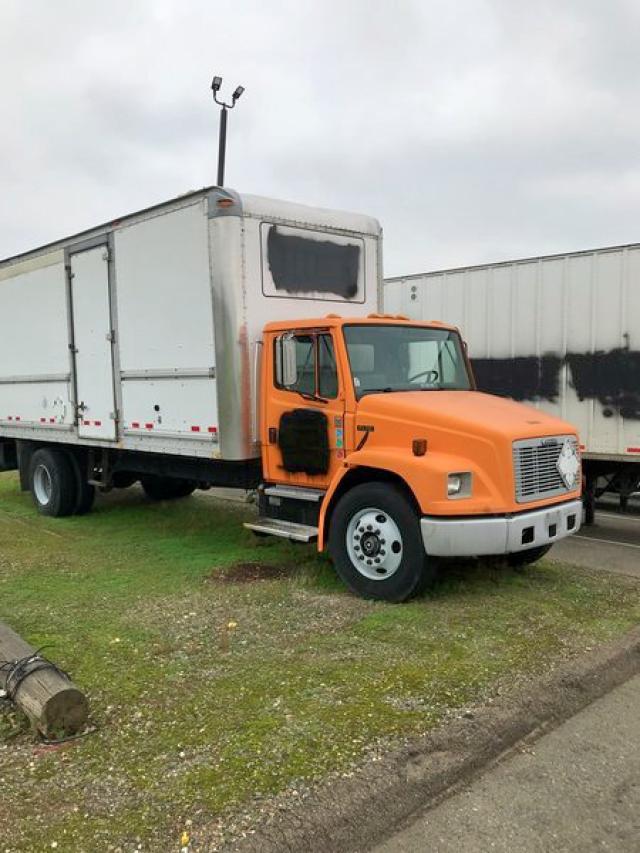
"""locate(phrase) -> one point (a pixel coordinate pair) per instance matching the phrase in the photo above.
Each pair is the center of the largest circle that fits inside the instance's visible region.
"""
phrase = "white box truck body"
(559, 332)
(143, 334)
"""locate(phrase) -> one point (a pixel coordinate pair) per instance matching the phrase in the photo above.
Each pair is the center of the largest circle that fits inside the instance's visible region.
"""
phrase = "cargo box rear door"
(93, 343)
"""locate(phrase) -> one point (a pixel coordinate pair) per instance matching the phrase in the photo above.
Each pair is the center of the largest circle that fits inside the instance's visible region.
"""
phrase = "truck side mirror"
(286, 362)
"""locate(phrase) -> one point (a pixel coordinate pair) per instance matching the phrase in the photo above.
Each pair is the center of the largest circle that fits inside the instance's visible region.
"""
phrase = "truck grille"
(535, 468)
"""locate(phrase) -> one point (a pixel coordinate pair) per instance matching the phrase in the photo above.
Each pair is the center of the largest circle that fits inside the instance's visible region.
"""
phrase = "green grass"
(195, 718)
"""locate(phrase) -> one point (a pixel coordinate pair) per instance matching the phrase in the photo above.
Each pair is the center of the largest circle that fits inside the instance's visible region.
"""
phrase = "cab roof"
(333, 321)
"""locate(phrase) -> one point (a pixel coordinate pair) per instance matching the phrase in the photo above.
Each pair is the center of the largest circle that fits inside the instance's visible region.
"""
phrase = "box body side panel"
(166, 334)
(35, 375)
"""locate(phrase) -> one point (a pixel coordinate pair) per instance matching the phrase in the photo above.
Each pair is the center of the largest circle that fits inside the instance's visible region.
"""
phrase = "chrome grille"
(535, 468)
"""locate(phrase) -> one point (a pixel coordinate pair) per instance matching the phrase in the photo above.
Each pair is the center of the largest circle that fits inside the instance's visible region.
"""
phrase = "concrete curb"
(356, 813)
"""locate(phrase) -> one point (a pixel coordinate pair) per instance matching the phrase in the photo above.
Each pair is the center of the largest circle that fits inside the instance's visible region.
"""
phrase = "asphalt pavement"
(611, 544)
(576, 789)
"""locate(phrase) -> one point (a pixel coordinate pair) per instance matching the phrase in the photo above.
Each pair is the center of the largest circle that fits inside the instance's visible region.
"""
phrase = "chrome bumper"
(475, 537)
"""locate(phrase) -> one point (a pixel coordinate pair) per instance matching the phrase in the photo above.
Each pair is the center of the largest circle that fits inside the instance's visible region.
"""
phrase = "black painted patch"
(521, 378)
(612, 378)
(303, 438)
(301, 265)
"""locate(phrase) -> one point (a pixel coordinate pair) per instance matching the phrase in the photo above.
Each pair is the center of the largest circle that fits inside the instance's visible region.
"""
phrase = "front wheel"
(376, 544)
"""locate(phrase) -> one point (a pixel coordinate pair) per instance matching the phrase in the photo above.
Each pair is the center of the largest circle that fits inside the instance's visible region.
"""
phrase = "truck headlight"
(459, 485)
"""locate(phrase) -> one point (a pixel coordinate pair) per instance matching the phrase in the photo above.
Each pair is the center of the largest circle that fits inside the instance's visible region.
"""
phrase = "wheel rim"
(42, 485)
(374, 544)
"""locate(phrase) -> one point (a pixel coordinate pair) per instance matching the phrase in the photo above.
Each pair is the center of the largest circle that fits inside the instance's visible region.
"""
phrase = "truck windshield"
(405, 358)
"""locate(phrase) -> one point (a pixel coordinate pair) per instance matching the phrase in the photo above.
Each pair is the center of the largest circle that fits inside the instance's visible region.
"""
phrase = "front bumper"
(475, 537)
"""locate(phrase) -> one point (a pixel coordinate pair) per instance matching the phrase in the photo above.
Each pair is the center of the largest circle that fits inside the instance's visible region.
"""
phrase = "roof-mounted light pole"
(216, 83)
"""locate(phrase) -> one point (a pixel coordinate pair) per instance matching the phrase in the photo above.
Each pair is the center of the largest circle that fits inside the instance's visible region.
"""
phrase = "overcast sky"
(473, 130)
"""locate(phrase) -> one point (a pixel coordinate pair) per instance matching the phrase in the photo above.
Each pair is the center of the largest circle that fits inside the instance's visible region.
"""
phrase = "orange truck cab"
(375, 442)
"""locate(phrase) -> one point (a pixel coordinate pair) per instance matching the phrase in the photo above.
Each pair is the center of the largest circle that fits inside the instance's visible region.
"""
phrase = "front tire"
(376, 544)
(52, 483)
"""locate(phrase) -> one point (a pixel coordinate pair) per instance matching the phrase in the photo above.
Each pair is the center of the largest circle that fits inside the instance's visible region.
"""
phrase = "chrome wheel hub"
(374, 544)
(42, 485)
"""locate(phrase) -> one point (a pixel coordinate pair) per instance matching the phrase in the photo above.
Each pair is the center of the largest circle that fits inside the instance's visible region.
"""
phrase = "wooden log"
(51, 701)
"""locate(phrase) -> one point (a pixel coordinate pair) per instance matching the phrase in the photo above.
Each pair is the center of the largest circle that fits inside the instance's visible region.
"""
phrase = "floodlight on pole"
(216, 84)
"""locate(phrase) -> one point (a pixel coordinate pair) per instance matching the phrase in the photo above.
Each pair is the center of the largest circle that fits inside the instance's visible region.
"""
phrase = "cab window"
(316, 368)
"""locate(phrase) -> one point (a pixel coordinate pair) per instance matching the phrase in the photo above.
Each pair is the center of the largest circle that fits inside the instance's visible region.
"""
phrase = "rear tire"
(376, 544)
(525, 558)
(86, 491)
(53, 483)
(166, 488)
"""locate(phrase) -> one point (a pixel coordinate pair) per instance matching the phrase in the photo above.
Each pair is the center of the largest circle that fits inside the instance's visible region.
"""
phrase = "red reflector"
(149, 426)
(633, 449)
(52, 420)
(213, 429)
(43, 420)
(17, 417)
(195, 429)
(135, 424)
(86, 423)
(97, 423)
(9, 417)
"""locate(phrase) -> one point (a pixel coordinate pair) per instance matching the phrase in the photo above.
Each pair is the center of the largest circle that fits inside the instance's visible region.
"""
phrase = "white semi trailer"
(561, 332)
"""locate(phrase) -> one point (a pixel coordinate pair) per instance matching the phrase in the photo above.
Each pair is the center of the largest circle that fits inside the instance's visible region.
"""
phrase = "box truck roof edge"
(223, 201)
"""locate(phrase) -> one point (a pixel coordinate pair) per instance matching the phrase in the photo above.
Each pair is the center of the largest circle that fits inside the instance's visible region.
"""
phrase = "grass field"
(214, 684)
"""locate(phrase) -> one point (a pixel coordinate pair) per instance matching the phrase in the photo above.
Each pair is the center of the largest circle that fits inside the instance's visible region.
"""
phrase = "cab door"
(303, 420)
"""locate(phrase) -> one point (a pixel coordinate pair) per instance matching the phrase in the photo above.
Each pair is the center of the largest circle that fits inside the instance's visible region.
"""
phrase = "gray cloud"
(475, 131)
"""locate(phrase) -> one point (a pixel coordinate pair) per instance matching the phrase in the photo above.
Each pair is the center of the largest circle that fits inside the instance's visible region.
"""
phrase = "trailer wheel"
(166, 488)
(53, 483)
(376, 545)
(524, 558)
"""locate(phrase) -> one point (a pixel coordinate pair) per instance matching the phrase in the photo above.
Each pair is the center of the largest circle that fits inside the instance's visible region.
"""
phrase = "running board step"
(296, 492)
(284, 529)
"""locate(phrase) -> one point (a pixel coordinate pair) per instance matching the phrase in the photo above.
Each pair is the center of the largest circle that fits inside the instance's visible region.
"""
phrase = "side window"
(327, 368)
(316, 369)
(306, 365)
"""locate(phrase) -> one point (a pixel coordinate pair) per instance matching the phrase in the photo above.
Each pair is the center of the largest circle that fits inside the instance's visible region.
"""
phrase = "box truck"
(228, 340)
(560, 332)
